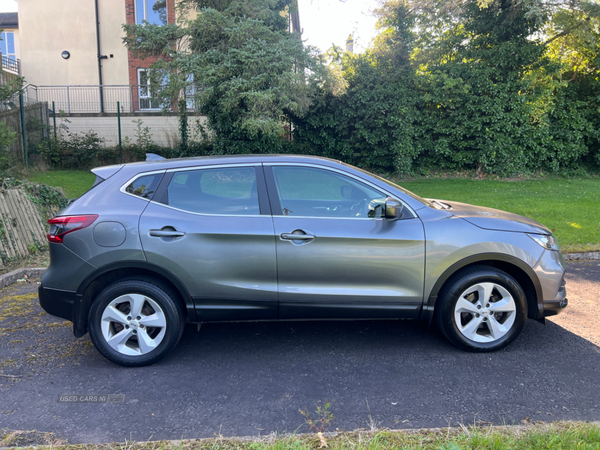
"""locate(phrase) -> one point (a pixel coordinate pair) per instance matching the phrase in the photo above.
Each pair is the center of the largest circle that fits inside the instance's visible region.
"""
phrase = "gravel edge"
(581, 256)
(12, 277)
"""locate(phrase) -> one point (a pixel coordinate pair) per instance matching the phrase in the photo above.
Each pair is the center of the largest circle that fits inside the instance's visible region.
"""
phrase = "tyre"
(481, 309)
(136, 322)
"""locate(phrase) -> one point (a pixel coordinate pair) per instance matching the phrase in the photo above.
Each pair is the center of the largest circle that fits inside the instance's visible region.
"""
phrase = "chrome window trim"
(210, 215)
(360, 180)
(213, 166)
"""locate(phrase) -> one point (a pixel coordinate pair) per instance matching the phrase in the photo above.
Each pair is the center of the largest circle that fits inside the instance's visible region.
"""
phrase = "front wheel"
(135, 322)
(481, 309)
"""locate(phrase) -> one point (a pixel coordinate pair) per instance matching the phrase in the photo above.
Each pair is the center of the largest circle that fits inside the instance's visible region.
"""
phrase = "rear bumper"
(63, 304)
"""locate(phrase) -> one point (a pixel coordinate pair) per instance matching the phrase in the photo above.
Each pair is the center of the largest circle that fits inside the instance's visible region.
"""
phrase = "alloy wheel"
(485, 312)
(133, 324)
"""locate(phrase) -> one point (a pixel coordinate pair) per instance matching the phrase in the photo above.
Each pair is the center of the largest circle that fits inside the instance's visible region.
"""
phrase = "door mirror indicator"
(394, 209)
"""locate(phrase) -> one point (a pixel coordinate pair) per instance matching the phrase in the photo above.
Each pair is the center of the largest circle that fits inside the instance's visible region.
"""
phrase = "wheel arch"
(99, 279)
(515, 267)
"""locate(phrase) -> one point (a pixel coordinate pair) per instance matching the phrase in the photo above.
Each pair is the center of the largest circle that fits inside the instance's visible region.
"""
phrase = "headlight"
(548, 242)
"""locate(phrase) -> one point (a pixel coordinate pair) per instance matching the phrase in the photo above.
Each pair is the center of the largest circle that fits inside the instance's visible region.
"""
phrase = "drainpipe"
(100, 57)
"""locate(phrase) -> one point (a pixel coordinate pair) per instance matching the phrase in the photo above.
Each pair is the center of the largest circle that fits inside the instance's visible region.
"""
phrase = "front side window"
(151, 11)
(312, 192)
(7, 45)
(229, 190)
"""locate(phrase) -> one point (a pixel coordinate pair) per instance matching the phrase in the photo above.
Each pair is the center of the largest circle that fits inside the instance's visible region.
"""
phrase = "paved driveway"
(251, 379)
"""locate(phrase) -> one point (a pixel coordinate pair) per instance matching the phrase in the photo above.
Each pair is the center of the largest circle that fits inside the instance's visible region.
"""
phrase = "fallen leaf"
(322, 441)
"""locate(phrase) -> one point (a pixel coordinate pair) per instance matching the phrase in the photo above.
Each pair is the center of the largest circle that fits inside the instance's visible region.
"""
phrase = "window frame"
(276, 202)
(4, 37)
(139, 22)
(123, 188)
(149, 87)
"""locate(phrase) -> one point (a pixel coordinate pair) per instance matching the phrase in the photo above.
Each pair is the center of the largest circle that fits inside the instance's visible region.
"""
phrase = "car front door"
(337, 256)
(212, 228)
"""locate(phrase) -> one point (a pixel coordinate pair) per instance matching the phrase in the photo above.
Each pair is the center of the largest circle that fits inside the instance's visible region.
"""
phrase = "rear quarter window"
(144, 186)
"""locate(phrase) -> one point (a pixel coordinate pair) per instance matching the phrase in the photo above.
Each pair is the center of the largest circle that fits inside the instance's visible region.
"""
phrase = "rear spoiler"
(106, 172)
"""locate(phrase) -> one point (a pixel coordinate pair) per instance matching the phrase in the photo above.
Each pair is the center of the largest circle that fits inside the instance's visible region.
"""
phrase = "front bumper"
(560, 302)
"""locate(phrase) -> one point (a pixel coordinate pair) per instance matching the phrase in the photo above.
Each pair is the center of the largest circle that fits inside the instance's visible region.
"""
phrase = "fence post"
(54, 118)
(68, 101)
(119, 121)
(23, 129)
(131, 98)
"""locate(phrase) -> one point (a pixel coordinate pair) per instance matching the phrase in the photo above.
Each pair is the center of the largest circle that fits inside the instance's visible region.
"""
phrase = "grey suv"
(154, 245)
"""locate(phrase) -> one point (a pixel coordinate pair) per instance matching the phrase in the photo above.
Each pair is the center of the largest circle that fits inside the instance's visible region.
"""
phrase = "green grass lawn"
(555, 436)
(73, 182)
(568, 206)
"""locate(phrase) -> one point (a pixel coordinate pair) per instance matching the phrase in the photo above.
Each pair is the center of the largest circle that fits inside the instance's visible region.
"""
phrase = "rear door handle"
(166, 233)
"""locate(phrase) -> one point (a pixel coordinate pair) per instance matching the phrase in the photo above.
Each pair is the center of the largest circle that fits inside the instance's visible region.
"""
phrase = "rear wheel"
(135, 322)
(481, 309)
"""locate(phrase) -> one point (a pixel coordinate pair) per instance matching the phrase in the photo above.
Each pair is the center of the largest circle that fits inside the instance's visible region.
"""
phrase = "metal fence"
(9, 64)
(101, 99)
(30, 125)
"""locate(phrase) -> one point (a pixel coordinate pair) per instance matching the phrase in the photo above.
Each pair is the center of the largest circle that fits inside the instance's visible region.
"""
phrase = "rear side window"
(144, 186)
(215, 191)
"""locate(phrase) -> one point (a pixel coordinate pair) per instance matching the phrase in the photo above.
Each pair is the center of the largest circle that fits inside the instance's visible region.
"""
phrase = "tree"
(8, 91)
(249, 73)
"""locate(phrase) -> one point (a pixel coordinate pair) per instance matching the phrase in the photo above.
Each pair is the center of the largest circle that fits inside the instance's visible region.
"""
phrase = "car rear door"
(212, 228)
(337, 256)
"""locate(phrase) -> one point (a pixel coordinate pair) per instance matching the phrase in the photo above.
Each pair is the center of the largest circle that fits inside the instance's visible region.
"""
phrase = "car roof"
(221, 159)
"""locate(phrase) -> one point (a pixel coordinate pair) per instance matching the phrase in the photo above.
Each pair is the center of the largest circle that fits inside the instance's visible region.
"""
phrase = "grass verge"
(73, 182)
(568, 206)
(556, 436)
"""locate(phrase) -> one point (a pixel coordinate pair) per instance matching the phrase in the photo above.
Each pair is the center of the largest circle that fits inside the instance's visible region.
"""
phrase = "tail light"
(61, 226)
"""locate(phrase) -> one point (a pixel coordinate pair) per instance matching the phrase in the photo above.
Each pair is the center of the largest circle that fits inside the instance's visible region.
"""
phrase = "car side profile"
(154, 245)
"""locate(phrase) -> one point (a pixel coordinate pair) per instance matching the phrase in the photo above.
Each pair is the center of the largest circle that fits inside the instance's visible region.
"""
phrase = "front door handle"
(297, 235)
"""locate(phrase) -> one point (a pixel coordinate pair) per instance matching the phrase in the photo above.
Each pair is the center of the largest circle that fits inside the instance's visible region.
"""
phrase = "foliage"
(7, 137)
(75, 150)
(72, 182)
(183, 125)
(48, 200)
(323, 419)
(452, 85)
(248, 71)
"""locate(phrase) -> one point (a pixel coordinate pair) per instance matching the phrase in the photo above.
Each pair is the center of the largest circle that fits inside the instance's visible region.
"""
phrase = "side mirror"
(394, 209)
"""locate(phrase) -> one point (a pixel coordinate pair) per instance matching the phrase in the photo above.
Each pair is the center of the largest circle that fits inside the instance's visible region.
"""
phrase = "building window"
(190, 92)
(147, 91)
(151, 11)
(7, 45)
